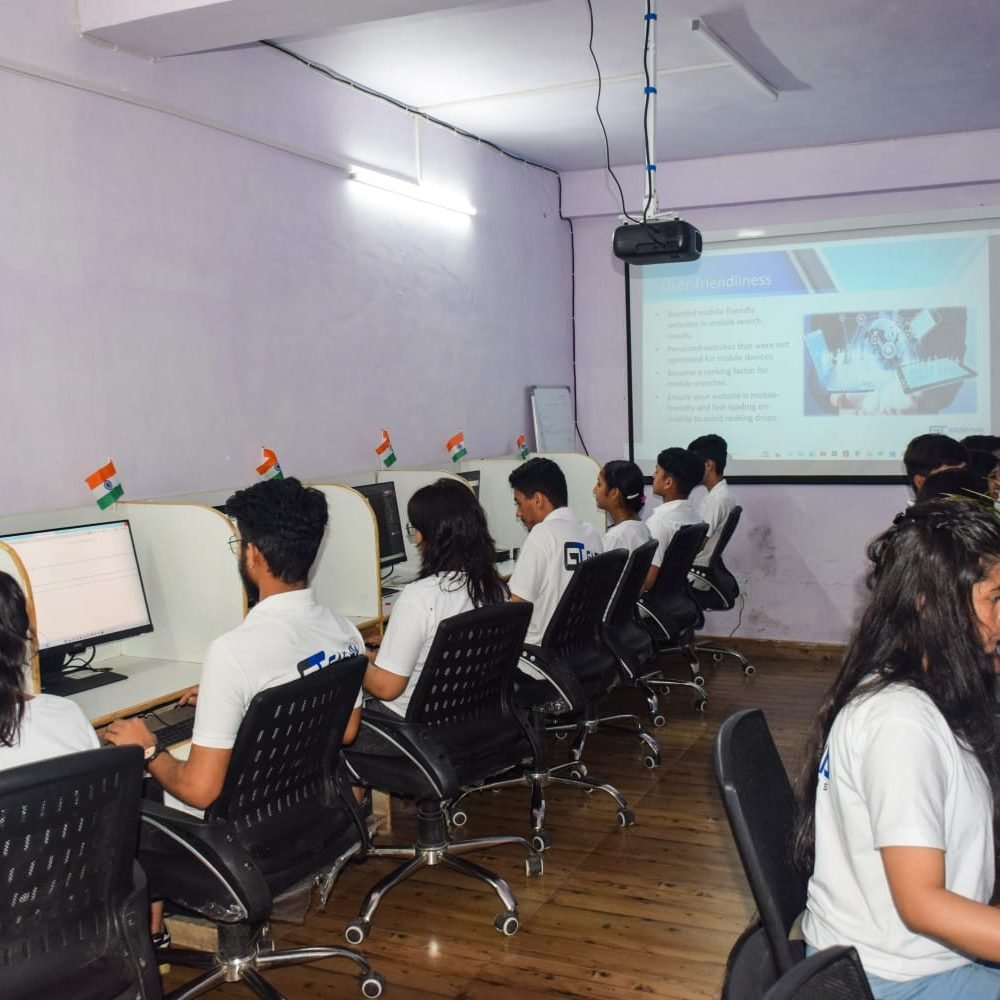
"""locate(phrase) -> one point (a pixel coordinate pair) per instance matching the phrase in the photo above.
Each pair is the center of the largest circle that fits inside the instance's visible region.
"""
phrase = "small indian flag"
(269, 468)
(456, 447)
(522, 446)
(384, 450)
(104, 485)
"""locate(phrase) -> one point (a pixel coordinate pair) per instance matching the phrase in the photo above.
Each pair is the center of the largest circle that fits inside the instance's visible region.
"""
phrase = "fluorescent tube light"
(698, 25)
(396, 185)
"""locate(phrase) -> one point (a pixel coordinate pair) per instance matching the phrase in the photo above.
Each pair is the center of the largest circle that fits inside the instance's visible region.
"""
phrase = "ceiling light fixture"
(698, 25)
(396, 185)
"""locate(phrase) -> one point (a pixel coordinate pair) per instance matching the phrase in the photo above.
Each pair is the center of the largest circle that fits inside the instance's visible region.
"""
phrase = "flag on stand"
(104, 485)
(522, 446)
(456, 447)
(384, 450)
(269, 468)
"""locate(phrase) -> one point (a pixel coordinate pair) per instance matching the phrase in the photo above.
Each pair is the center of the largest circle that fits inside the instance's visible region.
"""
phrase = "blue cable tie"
(650, 16)
(650, 166)
(649, 90)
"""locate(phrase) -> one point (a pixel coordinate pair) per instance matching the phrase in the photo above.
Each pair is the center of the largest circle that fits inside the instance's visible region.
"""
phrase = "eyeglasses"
(411, 532)
(234, 544)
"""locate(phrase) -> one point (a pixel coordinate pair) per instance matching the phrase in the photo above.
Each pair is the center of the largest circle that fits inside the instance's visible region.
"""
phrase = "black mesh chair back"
(724, 588)
(576, 621)
(669, 600)
(472, 662)
(73, 919)
(761, 809)
(277, 795)
(621, 609)
(832, 974)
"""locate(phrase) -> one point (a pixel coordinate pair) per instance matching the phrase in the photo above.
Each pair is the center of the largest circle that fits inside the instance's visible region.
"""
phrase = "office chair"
(579, 669)
(718, 590)
(670, 614)
(832, 974)
(285, 813)
(75, 917)
(460, 729)
(761, 809)
(633, 649)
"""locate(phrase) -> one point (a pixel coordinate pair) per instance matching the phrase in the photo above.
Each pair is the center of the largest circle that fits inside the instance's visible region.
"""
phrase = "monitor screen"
(472, 478)
(382, 497)
(86, 586)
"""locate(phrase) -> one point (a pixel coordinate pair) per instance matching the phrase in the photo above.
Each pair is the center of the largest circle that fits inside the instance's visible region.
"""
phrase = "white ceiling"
(517, 72)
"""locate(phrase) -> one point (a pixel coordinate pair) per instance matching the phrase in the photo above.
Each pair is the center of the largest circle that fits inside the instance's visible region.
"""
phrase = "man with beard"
(286, 634)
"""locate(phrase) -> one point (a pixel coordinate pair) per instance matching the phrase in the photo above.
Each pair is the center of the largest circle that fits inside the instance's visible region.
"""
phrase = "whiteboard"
(552, 413)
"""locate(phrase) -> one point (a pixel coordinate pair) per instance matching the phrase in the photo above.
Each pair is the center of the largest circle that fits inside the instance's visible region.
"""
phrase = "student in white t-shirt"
(557, 540)
(718, 502)
(32, 727)
(457, 573)
(901, 774)
(619, 492)
(677, 473)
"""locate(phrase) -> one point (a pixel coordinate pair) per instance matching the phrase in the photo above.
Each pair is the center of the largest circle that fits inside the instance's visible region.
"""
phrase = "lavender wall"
(800, 547)
(174, 296)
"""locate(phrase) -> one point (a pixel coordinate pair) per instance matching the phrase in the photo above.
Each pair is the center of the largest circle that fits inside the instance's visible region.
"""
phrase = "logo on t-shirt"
(824, 769)
(320, 660)
(573, 554)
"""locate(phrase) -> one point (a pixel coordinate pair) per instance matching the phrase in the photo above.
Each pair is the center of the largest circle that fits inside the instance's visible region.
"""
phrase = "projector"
(659, 242)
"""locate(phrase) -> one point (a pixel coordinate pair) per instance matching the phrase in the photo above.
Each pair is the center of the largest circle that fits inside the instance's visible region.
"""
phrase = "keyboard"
(849, 378)
(171, 726)
(931, 372)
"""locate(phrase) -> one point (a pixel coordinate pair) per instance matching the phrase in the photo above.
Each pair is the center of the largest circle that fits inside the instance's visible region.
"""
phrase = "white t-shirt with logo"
(628, 535)
(283, 637)
(553, 549)
(664, 522)
(893, 775)
(419, 609)
(50, 727)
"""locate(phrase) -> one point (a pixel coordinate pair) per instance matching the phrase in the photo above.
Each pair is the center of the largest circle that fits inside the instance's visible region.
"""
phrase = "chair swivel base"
(584, 727)
(244, 953)
(434, 848)
(718, 652)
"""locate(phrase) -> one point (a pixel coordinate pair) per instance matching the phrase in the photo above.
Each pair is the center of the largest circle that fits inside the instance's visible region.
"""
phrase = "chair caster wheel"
(578, 771)
(699, 680)
(717, 657)
(372, 985)
(534, 865)
(701, 705)
(459, 818)
(541, 842)
(357, 931)
(561, 734)
(506, 923)
(659, 721)
(749, 668)
(626, 818)
(651, 761)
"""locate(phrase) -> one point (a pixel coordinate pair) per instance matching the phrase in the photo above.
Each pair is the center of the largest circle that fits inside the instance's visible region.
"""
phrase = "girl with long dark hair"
(620, 493)
(457, 573)
(32, 727)
(900, 784)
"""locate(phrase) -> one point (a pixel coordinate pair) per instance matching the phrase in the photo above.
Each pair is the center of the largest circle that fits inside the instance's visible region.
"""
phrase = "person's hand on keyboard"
(129, 732)
(189, 697)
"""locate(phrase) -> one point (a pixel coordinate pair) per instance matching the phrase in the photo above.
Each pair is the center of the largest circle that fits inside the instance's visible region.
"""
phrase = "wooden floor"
(650, 911)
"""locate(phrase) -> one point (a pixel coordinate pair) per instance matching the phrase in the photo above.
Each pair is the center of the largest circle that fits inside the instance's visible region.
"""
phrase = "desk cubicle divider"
(346, 573)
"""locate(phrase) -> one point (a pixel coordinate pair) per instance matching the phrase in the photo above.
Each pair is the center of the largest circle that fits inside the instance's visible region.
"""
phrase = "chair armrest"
(199, 866)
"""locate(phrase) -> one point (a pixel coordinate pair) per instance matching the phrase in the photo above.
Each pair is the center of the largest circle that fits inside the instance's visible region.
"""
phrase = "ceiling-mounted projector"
(657, 242)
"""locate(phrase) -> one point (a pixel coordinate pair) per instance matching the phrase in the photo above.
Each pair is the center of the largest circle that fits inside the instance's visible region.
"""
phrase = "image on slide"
(900, 361)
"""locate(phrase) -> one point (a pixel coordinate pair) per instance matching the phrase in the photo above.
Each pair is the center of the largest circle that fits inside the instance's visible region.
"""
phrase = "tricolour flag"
(384, 450)
(456, 447)
(104, 485)
(269, 468)
(522, 446)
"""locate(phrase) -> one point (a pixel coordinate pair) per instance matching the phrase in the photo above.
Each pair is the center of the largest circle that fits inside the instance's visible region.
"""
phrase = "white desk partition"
(346, 573)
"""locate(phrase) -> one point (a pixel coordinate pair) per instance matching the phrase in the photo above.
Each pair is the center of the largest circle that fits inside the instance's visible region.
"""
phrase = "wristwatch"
(151, 753)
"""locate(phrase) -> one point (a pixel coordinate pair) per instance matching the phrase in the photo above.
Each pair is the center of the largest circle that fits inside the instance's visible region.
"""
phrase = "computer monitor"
(472, 478)
(382, 497)
(87, 590)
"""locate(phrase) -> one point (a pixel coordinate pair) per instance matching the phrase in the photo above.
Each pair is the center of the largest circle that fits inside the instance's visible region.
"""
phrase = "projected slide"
(816, 358)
